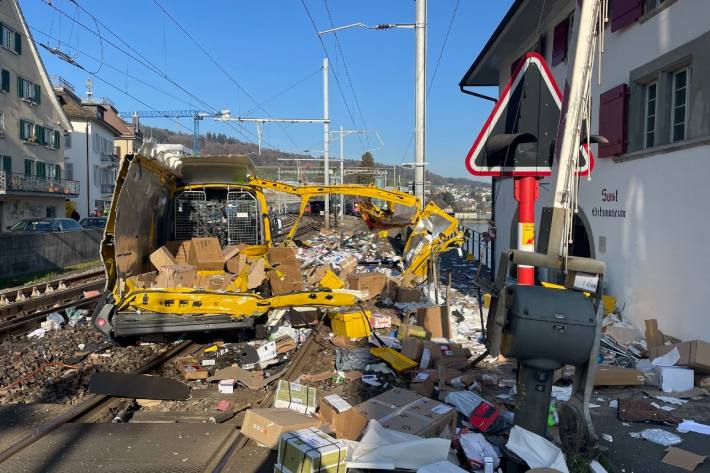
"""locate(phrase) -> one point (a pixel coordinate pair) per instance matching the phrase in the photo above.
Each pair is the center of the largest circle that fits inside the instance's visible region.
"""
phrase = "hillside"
(219, 143)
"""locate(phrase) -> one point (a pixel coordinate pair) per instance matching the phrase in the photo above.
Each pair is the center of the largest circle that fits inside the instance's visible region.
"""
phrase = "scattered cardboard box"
(250, 379)
(434, 320)
(206, 254)
(694, 354)
(176, 275)
(347, 266)
(423, 384)
(226, 386)
(675, 379)
(190, 368)
(236, 264)
(266, 426)
(412, 348)
(296, 397)
(310, 451)
(162, 257)
(334, 410)
(407, 294)
(610, 375)
(181, 250)
(682, 459)
(372, 282)
(257, 273)
(284, 286)
(304, 316)
(314, 275)
(144, 281)
(408, 330)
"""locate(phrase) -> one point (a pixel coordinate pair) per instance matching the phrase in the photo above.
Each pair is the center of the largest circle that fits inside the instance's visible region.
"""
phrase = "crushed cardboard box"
(206, 254)
(265, 426)
(162, 257)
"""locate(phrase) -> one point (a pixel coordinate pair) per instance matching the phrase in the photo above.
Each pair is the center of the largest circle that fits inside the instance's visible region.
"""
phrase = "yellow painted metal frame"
(187, 301)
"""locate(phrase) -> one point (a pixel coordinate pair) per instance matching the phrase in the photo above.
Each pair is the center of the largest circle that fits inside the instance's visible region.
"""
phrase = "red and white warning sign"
(528, 113)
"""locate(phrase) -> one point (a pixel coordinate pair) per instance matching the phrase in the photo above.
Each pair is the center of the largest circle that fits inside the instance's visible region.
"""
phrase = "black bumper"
(130, 323)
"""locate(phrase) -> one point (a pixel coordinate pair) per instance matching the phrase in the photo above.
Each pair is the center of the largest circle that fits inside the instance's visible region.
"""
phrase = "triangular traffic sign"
(518, 137)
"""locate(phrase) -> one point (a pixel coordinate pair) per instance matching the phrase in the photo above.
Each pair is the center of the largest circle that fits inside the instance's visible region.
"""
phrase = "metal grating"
(185, 224)
(243, 223)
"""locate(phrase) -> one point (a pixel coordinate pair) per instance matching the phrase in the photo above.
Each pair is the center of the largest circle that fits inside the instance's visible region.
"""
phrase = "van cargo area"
(188, 247)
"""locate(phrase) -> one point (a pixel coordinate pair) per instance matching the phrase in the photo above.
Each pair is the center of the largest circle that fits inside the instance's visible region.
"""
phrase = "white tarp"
(537, 451)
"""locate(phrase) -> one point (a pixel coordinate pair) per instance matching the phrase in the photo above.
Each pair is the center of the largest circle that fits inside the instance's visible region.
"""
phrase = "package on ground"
(423, 383)
(209, 281)
(314, 275)
(180, 249)
(412, 348)
(296, 397)
(190, 368)
(176, 275)
(226, 386)
(481, 414)
(282, 254)
(351, 324)
(610, 375)
(334, 410)
(143, 281)
(206, 254)
(476, 450)
(373, 283)
(434, 320)
(451, 355)
(266, 426)
(347, 265)
(162, 257)
(407, 294)
(304, 316)
(408, 330)
(380, 321)
(284, 284)
(404, 411)
(311, 451)
(694, 354)
(675, 379)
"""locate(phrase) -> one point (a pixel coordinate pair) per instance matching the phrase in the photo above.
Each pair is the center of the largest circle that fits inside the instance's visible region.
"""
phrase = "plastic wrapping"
(658, 436)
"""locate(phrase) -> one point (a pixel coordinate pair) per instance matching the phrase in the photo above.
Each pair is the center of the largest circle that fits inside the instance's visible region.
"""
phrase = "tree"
(368, 161)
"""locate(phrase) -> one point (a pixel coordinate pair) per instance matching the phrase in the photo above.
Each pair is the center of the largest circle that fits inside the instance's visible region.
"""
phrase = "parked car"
(45, 225)
(93, 222)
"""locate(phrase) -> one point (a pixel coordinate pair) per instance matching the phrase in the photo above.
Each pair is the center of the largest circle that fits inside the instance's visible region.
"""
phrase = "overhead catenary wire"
(347, 74)
(144, 62)
(335, 74)
(220, 66)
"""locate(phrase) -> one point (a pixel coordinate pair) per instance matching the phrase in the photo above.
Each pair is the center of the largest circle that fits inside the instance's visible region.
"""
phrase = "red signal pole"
(526, 193)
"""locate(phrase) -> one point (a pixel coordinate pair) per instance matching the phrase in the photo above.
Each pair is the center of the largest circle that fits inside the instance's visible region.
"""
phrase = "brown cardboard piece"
(213, 282)
(694, 354)
(265, 426)
(250, 379)
(374, 283)
(682, 459)
(339, 421)
(406, 294)
(451, 355)
(257, 273)
(145, 280)
(162, 257)
(206, 254)
(347, 266)
(190, 368)
(180, 249)
(236, 264)
(435, 320)
(230, 251)
(609, 375)
(281, 254)
(412, 348)
(285, 285)
(405, 411)
(314, 275)
(175, 275)
(304, 318)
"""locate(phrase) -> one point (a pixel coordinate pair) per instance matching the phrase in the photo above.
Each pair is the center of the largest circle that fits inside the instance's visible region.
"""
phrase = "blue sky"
(268, 46)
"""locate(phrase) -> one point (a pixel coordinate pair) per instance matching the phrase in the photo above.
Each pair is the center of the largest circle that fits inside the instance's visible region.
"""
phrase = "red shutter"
(613, 107)
(559, 42)
(624, 13)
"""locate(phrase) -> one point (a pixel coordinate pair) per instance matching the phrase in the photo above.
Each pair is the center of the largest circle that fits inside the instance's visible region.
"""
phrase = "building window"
(649, 5)
(27, 131)
(7, 164)
(67, 140)
(51, 212)
(10, 39)
(650, 124)
(679, 105)
(29, 164)
(5, 83)
(69, 171)
(2, 123)
(41, 170)
(29, 90)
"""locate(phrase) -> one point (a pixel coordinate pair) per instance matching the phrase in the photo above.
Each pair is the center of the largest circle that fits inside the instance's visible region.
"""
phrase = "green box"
(297, 397)
(310, 451)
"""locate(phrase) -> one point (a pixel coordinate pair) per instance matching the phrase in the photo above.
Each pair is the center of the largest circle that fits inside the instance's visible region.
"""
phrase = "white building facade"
(33, 182)
(643, 212)
(91, 156)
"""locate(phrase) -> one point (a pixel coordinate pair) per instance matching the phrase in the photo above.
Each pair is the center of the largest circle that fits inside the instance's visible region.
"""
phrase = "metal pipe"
(420, 102)
(326, 140)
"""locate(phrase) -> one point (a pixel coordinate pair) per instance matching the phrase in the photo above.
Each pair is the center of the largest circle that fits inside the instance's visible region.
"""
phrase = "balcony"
(107, 188)
(16, 183)
(109, 158)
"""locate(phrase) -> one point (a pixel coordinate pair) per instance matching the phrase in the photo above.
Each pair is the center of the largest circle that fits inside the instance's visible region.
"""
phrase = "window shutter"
(19, 86)
(22, 130)
(28, 167)
(6, 80)
(57, 172)
(613, 108)
(18, 43)
(559, 42)
(7, 164)
(56, 140)
(624, 13)
(38, 134)
(38, 93)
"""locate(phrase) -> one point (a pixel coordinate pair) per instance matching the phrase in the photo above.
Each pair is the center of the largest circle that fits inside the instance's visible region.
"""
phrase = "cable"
(287, 89)
(350, 81)
(335, 75)
(443, 46)
(219, 65)
(148, 65)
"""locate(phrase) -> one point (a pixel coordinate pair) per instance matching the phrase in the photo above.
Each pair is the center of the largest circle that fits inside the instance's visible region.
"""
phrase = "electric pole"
(420, 105)
(326, 140)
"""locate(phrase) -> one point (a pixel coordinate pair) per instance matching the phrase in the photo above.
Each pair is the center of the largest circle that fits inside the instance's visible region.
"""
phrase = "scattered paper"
(669, 359)
(692, 426)
(664, 408)
(597, 467)
(537, 451)
(671, 400)
(658, 436)
(608, 438)
(562, 393)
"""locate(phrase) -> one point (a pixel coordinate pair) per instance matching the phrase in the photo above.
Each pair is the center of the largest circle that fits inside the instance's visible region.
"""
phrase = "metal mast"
(420, 102)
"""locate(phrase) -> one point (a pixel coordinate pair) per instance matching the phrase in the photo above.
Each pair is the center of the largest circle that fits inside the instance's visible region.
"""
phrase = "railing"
(109, 158)
(480, 247)
(59, 81)
(15, 182)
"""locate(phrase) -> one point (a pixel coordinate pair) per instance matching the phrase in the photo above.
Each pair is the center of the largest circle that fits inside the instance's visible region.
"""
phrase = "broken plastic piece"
(395, 359)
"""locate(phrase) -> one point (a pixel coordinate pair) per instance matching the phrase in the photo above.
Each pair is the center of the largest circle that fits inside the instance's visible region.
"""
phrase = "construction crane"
(196, 115)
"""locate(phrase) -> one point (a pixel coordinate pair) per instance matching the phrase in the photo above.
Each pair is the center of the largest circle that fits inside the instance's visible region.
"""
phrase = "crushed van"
(189, 247)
